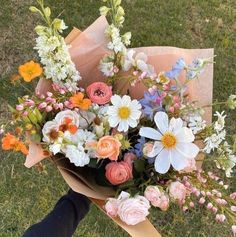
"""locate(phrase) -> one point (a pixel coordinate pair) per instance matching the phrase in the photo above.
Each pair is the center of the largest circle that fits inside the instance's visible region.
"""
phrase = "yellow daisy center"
(124, 112)
(169, 140)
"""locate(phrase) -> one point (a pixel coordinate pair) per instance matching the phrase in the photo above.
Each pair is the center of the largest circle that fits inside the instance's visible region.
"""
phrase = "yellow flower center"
(124, 112)
(169, 140)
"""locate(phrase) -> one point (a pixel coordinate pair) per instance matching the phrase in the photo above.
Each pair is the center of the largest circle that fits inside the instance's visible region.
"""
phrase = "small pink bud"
(203, 193)
(177, 105)
(164, 94)
(234, 230)
(42, 97)
(233, 208)
(20, 107)
(233, 195)
(115, 69)
(49, 108)
(214, 209)
(209, 206)
(49, 94)
(135, 73)
(185, 208)
(25, 114)
(191, 204)
(220, 218)
(43, 105)
(2, 131)
(60, 106)
(209, 194)
(29, 103)
(202, 200)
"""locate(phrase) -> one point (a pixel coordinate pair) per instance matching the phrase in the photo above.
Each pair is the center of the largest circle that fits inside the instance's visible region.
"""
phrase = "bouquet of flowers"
(119, 128)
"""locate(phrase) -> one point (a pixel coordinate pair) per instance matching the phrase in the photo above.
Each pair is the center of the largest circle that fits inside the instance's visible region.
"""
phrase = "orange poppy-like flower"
(30, 71)
(10, 142)
(68, 126)
(78, 101)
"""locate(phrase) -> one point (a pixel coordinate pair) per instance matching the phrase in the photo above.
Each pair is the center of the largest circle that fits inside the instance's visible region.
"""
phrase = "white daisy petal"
(123, 126)
(150, 133)
(132, 123)
(189, 150)
(161, 120)
(113, 121)
(162, 162)
(126, 100)
(175, 125)
(185, 135)
(116, 100)
(157, 148)
(178, 161)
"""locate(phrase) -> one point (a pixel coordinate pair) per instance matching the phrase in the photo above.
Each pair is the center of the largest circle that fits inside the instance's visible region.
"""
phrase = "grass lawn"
(25, 195)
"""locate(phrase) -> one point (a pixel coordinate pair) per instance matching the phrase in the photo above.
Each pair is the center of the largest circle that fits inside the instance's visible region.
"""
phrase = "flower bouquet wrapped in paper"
(126, 127)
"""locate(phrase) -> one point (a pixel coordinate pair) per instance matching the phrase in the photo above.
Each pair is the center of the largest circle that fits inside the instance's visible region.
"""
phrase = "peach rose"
(99, 93)
(118, 172)
(108, 147)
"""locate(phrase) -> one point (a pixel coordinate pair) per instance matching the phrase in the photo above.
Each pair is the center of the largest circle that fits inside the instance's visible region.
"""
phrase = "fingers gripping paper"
(87, 49)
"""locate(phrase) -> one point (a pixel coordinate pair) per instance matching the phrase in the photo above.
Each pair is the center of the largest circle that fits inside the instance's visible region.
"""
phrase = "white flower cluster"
(55, 57)
(72, 144)
(196, 123)
(219, 134)
(138, 61)
(226, 159)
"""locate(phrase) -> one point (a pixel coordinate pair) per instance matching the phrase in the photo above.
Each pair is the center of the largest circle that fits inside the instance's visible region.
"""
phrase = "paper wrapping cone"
(87, 49)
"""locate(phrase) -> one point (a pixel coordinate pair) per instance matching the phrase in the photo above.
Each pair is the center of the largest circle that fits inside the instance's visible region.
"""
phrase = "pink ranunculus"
(129, 158)
(147, 148)
(156, 197)
(118, 172)
(178, 191)
(133, 210)
(99, 93)
(111, 207)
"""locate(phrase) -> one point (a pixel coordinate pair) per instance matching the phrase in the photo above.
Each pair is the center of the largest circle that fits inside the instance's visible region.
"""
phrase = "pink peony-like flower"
(99, 93)
(118, 172)
(156, 197)
(178, 191)
(132, 210)
(111, 207)
(191, 166)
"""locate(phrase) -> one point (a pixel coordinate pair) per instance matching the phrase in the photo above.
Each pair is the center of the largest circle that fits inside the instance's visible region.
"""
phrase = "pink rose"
(118, 172)
(147, 148)
(132, 210)
(111, 207)
(178, 192)
(156, 197)
(99, 93)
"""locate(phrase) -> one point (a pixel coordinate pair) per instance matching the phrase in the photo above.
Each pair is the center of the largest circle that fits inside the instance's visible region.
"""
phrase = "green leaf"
(139, 165)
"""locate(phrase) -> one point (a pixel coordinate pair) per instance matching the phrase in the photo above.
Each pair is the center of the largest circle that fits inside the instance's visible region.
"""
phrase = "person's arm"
(63, 220)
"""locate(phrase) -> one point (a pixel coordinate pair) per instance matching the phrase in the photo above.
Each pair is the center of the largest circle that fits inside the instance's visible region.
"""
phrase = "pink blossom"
(111, 207)
(202, 200)
(233, 195)
(178, 191)
(29, 103)
(20, 107)
(234, 230)
(233, 208)
(172, 109)
(49, 108)
(214, 209)
(209, 206)
(129, 158)
(49, 94)
(191, 204)
(191, 166)
(25, 114)
(147, 148)
(43, 105)
(68, 105)
(220, 218)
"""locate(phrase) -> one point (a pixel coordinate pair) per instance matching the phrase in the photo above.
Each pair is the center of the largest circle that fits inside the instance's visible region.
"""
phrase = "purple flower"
(138, 147)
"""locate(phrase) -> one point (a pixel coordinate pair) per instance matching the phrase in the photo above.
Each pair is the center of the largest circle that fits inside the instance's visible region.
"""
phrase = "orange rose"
(108, 147)
(118, 172)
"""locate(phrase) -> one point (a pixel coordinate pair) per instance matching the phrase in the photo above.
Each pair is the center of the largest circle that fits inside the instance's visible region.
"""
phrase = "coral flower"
(10, 142)
(99, 92)
(30, 71)
(78, 101)
(68, 126)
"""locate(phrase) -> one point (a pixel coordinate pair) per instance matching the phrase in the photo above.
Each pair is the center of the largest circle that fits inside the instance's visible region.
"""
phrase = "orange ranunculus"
(10, 142)
(30, 71)
(108, 147)
(78, 101)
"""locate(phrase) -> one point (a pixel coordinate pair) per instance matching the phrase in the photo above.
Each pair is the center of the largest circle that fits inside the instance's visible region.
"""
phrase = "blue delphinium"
(150, 104)
(176, 69)
(138, 147)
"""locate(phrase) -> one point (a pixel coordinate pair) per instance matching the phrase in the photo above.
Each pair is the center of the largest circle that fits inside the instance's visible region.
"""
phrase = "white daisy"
(173, 143)
(124, 113)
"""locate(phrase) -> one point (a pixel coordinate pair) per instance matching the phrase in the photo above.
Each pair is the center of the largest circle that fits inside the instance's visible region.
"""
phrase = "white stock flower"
(173, 143)
(107, 68)
(196, 124)
(124, 113)
(220, 123)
